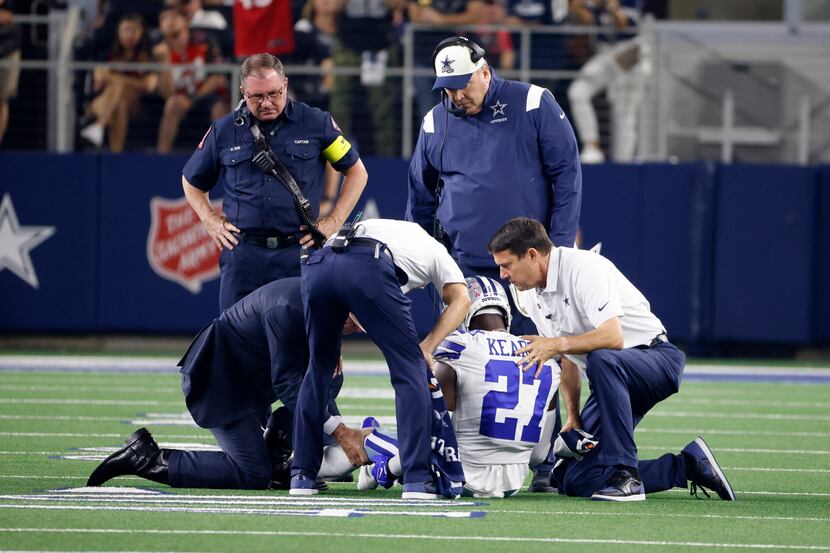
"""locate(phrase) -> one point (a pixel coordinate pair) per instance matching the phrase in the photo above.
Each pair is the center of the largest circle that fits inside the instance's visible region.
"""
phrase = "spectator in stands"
(264, 27)
(314, 36)
(208, 22)
(200, 18)
(548, 51)
(620, 67)
(120, 91)
(366, 39)
(438, 12)
(187, 83)
(498, 44)
(9, 53)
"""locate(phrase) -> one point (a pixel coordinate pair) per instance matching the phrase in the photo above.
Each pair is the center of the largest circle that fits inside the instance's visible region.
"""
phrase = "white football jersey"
(500, 410)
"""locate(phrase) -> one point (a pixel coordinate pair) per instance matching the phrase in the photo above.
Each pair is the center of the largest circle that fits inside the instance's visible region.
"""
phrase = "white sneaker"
(591, 154)
(365, 480)
(94, 133)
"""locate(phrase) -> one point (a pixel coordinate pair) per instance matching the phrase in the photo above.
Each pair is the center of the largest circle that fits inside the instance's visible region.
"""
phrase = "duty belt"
(379, 246)
(271, 242)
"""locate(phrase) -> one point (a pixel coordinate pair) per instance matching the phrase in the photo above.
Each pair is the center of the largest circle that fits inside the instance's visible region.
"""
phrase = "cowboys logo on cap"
(454, 67)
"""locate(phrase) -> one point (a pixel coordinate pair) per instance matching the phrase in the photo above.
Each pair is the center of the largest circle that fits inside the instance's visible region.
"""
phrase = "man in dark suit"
(253, 354)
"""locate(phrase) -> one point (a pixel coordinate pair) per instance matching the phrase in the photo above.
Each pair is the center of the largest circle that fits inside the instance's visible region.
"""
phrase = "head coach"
(493, 149)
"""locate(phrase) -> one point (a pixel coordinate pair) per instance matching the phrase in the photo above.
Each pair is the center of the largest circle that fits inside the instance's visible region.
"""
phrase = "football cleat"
(376, 474)
(703, 471)
(622, 486)
(365, 481)
(370, 422)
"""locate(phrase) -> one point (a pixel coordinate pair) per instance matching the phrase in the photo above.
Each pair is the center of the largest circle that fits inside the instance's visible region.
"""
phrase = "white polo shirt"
(583, 291)
(418, 254)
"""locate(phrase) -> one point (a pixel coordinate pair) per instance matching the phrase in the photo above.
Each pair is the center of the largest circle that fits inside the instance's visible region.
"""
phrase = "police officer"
(253, 354)
(493, 149)
(586, 309)
(369, 275)
(260, 230)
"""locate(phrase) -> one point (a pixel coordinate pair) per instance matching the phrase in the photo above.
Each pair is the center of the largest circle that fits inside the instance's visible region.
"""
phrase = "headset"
(476, 53)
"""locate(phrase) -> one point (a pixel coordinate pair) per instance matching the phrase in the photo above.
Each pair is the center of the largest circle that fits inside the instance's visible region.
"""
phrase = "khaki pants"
(9, 76)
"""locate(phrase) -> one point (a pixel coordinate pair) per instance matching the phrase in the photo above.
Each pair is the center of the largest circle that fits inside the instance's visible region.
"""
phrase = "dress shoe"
(278, 440)
(140, 456)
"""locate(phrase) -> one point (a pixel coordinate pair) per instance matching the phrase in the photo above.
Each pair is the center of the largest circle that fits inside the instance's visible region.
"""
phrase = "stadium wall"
(106, 244)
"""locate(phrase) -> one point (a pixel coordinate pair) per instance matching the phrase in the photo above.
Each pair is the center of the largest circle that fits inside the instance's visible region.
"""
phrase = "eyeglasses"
(271, 96)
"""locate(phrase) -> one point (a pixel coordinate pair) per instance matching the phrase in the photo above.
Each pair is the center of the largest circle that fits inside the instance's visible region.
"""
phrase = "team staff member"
(259, 230)
(253, 354)
(493, 149)
(587, 310)
(369, 277)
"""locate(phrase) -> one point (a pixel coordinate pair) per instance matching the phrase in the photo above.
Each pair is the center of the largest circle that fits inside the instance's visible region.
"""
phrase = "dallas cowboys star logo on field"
(498, 108)
(16, 242)
(446, 65)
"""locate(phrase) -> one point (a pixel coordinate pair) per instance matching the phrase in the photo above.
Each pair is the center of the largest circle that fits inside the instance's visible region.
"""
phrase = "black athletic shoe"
(140, 457)
(703, 471)
(541, 482)
(622, 486)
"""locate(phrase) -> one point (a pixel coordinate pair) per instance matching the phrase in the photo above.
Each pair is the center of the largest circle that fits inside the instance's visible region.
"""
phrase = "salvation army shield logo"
(179, 248)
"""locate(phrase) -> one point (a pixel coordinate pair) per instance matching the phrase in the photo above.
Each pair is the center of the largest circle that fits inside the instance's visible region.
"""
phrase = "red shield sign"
(179, 248)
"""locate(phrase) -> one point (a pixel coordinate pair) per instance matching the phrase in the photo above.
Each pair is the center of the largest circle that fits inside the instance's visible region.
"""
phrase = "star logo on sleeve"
(498, 108)
(17, 241)
(446, 65)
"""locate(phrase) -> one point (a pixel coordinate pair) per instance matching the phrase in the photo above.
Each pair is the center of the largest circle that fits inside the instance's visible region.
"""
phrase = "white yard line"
(777, 469)
(749, 450)
(60, 418)
(426, 537)
(336, 513)
(75, 401)
(99, 389)
(751, 402)
(157, 436)
(662, 412)
(156, 502)
(658, 515)
(115, 495)
(749, 433)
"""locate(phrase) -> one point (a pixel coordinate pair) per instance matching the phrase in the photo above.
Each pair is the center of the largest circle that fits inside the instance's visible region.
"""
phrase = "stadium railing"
(720, 91)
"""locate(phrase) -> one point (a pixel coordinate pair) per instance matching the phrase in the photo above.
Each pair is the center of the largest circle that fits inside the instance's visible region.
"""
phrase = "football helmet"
(486, 292)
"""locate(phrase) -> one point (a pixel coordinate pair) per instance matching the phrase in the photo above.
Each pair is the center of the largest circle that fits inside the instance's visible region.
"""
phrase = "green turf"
(752, 427)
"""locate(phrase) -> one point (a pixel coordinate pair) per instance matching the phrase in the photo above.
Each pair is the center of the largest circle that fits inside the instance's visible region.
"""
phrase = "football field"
(769, 428)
